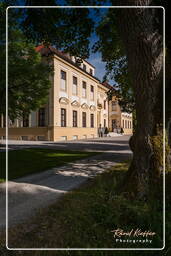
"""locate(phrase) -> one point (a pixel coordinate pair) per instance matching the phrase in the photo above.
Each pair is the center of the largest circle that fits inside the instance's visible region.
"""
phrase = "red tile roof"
(49, 50)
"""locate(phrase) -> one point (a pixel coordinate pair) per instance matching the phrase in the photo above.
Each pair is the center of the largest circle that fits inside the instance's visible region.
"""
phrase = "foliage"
(63, 27)
(113, 53)
(28, 76)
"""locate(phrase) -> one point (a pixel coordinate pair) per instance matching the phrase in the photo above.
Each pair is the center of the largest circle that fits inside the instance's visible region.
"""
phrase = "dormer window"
(84, 67)
(91, 71)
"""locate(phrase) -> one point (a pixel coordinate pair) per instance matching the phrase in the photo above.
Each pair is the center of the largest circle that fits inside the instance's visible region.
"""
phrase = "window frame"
(75, 118)
(84, 67)
(84, 119)
(61, 88)
(114, 105)
(42, 117)
(63, 117)
(84, 89)
(92, 120)
(91, 92)
(76, 85)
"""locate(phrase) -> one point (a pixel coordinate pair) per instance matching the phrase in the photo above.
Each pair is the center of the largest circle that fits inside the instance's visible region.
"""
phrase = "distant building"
(117, 119)
(76, 107)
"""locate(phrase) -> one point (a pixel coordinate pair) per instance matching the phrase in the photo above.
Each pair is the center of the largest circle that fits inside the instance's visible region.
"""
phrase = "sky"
(95, 58)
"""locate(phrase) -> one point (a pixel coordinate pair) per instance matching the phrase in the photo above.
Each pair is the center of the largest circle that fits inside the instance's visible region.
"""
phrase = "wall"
(31, 133)
(101, 112)
(123, 119)
(66, 99)
(69, 133)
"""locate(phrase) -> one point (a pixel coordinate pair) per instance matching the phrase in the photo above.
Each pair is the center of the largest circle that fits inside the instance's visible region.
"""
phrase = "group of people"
(103, 131)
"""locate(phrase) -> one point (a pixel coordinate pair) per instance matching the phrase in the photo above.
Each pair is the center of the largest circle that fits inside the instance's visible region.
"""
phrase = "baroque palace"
(76, 108)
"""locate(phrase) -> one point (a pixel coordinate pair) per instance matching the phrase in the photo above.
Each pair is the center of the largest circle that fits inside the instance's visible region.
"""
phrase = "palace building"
(77, 105)
(119, 119)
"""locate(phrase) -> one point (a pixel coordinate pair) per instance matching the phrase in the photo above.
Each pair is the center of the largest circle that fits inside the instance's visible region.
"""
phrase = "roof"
(106, 84)
(49, 50)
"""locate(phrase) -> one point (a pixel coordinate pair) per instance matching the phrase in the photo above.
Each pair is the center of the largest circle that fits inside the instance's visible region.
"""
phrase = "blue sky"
(95, 58)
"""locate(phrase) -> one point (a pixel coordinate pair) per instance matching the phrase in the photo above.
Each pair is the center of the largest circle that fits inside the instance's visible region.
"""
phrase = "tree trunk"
(144, 50)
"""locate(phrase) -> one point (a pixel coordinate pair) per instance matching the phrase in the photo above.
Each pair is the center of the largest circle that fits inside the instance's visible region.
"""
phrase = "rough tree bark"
(144, 50)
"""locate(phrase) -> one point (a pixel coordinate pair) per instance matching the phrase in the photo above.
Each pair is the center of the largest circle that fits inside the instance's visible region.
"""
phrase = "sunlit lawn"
(33, 160)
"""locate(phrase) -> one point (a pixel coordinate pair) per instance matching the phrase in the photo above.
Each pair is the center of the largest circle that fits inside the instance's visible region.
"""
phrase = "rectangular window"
(25, 120)
(84, 67)
(74, 118)
(92, 92)
(104, 104)
(24, 137)
(63, 137)
(63, 117)
(84, 119)
(91, 71)
(84, 85)
(63, 81)
(41, 118)
(113, 106)
(104, 122)
(74, 86)
(91, 120)
(41, 138)
(75, 137)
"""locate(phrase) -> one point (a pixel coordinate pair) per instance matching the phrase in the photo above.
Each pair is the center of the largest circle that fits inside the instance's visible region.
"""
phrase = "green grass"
(33, 160)
(85, 217)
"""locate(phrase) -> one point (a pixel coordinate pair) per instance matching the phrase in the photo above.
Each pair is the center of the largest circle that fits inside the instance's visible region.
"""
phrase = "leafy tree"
(113, 53)
(28, 75)
(63, 27)
(131, 43)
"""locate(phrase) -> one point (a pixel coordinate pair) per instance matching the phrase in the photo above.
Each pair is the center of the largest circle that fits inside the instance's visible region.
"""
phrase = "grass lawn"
(33, 160)
(85, 217)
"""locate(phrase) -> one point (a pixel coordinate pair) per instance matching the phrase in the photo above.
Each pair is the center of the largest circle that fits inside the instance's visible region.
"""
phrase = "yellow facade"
(65, 96)
(76, 108)
(119, 119)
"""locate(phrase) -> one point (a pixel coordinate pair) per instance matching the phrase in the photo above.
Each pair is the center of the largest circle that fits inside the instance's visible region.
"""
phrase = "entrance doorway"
(114, 125)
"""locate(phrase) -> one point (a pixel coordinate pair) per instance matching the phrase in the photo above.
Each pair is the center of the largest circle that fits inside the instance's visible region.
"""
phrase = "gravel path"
(29, 194)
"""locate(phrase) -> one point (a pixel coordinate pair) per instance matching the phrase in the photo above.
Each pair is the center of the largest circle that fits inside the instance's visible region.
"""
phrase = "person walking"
(106, 131)
(100, 131)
